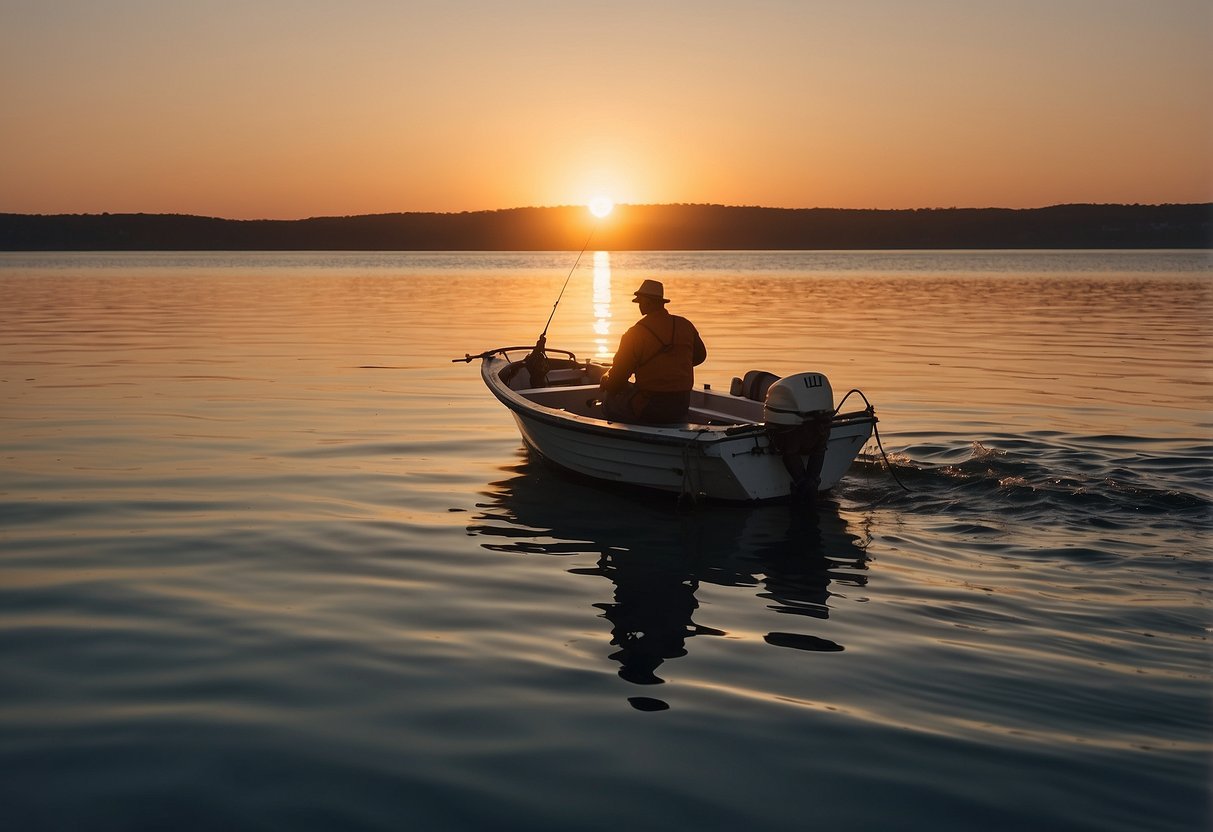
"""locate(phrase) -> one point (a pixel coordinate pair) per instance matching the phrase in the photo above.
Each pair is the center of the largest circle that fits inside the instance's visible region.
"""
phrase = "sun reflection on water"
(602, 304)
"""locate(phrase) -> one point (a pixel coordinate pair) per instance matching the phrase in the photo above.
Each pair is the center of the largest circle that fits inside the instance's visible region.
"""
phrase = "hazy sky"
(294, 108)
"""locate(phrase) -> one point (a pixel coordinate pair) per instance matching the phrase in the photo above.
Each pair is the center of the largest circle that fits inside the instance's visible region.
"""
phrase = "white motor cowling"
(798, 413)
(797, 399)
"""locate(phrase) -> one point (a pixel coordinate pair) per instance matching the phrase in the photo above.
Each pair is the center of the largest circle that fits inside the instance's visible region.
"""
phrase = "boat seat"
(557, 388)
(557, 377)
(754, 386)
(703, 415)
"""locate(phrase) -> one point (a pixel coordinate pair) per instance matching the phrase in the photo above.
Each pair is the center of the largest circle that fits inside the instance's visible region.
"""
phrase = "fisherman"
(661, 350)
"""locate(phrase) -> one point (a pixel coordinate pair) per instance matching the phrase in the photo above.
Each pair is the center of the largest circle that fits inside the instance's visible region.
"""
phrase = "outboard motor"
(797, 414)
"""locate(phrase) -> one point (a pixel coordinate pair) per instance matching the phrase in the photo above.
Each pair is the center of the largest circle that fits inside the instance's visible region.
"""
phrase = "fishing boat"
(767, 438)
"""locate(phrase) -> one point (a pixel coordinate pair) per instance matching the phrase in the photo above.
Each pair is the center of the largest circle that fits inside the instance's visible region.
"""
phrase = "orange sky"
(295, 108)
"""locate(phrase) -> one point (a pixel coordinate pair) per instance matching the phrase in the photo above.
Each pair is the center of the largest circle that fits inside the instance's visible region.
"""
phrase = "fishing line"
(544, 334)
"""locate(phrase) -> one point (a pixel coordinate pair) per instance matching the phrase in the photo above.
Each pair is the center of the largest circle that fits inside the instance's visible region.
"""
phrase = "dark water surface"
(269, 560)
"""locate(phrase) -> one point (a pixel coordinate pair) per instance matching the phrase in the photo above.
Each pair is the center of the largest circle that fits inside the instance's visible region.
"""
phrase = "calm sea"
(270, 560)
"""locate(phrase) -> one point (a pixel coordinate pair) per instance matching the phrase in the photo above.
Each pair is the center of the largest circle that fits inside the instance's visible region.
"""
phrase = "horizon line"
(575, 206)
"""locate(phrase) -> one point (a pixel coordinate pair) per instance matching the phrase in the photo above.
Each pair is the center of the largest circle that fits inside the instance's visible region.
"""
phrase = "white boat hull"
(723, 453)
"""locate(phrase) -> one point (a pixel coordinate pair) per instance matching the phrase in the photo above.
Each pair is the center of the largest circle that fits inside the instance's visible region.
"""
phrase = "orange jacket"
(660, 349)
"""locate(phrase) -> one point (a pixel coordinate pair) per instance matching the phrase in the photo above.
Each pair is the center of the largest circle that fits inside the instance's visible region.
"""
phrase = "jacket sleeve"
(699, 352)
(627, 359)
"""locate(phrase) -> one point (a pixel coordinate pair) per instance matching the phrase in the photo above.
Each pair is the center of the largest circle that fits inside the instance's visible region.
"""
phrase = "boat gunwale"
(678, 435)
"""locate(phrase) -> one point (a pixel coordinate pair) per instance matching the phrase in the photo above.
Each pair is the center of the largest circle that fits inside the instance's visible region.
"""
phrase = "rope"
(875, 433)
(889, 465)
(687, 493)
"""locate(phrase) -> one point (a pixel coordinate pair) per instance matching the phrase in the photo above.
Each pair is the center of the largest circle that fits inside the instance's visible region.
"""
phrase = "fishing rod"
(536, 362)
(544, 335)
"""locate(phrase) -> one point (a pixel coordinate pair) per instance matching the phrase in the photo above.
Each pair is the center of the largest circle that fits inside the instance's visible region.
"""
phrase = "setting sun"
(826, 127)
(600, 206)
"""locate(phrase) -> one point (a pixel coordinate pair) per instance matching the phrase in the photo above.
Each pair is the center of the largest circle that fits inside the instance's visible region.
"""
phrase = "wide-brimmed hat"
(651, 289)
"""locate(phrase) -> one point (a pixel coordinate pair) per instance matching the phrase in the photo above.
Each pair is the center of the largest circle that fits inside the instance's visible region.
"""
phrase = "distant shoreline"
(632, 228)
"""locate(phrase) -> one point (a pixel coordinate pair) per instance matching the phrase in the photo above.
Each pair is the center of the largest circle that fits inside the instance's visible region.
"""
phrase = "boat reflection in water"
(658, 559)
